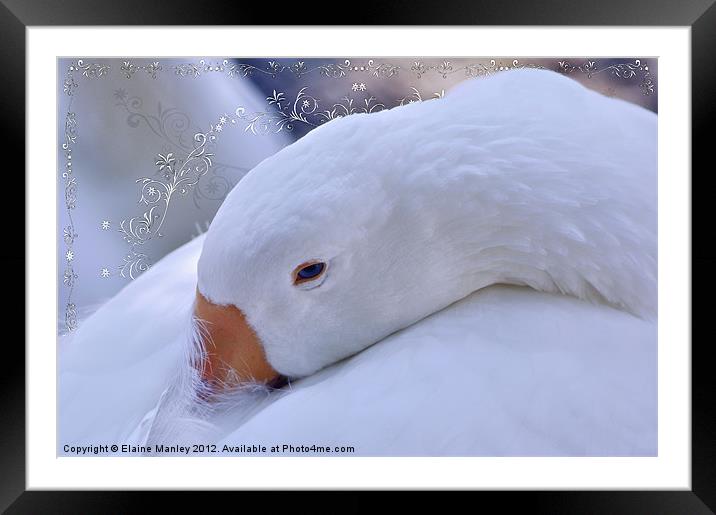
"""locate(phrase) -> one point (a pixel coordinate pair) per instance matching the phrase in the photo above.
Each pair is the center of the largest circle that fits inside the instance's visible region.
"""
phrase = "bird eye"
(308, 272)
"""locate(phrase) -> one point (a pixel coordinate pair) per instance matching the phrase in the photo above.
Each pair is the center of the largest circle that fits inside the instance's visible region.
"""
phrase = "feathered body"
(524, 178)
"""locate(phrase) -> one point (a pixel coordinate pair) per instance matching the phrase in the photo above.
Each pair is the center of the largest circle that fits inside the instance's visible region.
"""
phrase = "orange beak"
(233, 351)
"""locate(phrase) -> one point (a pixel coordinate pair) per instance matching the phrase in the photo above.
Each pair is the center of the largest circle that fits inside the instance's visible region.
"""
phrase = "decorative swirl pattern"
(346, 108)
(90, 70)
(274, 68)
(176, 128)
(446, 68)
(283, 117)
(69, 235)
(134, 264)
(215, 187)
(345, 68)
(151, 69)
(175, 174)
(415, 96)
(380, 70)
(190, 69)
(69, 86)
(171, 124)
(621, 70)
(138, 230)
(71, 316)
(87, 70)
(304, 109)
(179, 176)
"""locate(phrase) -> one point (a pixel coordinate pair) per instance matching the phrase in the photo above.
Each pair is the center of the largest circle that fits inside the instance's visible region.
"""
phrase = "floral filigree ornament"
(347, 107)
(69, 181)
(170, 124)
(347, 68)
(87, 70)
(175, 176)
(621, 70)
(176, 129)
(134, 264)
(446, 68)
(284, 116)
(415, 96)
(274, 68)
(69, 235)
(130, 69)
(303, 109)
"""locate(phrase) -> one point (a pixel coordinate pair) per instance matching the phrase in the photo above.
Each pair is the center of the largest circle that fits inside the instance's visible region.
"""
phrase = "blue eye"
(310, 271)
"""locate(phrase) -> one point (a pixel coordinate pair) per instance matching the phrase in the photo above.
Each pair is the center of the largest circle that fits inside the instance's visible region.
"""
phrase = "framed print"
(446, 257)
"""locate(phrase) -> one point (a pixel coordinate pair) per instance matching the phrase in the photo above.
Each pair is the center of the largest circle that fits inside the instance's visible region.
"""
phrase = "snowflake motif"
(104, 272)
(120, 94)
(219, 128)
(222, 120)
(358, 87)
(105, 224)
(305, 103)
(69, 256)
(151, 191)
(165, 161)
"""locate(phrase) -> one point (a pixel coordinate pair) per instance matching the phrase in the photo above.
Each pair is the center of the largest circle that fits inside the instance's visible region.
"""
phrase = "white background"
(671, 469)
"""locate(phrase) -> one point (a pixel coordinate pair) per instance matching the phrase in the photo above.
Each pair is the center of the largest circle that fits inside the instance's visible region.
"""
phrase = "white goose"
(498, 244)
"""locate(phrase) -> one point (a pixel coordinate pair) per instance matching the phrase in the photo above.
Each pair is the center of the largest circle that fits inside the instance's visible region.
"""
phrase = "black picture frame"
(700, 15)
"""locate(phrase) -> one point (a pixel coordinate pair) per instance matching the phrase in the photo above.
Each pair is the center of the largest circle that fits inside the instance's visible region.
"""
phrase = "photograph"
(357, 256)
(426, 249)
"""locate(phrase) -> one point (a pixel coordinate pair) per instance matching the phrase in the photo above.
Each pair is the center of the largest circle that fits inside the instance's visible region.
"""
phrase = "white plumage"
(524, 178)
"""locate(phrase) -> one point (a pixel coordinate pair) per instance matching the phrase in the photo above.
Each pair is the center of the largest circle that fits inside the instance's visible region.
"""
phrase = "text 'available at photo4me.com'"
(206, 449)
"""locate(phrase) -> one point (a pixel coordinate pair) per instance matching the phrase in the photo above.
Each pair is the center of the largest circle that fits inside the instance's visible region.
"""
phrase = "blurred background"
(149, 148)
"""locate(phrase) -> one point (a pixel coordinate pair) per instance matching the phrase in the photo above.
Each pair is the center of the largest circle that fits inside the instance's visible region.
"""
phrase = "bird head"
(315, 255)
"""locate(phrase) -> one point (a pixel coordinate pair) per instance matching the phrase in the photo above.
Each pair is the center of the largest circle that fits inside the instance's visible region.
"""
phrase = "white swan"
(359, 231)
